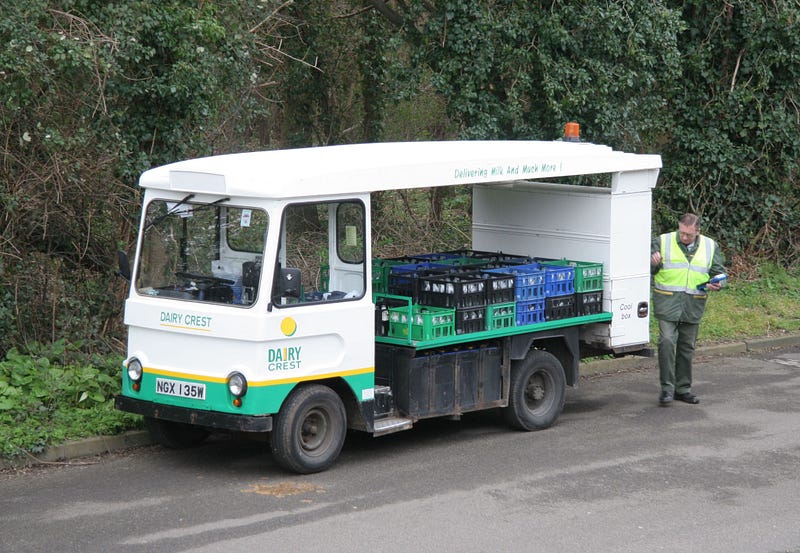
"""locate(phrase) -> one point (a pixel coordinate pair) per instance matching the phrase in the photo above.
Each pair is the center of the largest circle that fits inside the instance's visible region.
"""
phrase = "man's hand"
(714, 286)
(655, 259)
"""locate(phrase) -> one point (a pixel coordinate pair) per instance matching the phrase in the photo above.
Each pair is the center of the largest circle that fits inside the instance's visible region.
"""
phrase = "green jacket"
(680, 306)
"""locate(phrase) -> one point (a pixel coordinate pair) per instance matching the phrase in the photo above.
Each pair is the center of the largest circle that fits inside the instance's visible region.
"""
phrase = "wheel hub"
(313, 431)
(535, 390)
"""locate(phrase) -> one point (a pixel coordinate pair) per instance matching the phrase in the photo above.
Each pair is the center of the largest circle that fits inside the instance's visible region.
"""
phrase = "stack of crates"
(529, 292)
(559, 291)
(500, 300)
(588, 285)
(465, 291)
(382, 267)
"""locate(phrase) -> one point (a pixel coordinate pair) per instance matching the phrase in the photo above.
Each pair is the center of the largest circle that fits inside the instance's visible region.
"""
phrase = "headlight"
(135, 370)
(237, 384)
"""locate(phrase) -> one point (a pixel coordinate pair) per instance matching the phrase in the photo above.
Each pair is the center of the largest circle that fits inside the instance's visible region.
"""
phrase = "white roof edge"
(362, 168)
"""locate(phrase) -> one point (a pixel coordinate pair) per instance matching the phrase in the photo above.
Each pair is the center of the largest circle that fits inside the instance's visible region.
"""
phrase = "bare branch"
(387, 12)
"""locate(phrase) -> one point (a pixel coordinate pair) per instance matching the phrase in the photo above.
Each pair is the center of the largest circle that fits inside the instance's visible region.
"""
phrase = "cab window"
(322, 253)
(201, 252)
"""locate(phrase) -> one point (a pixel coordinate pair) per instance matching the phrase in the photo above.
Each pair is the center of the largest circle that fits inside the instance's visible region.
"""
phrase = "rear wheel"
(175, 435)
(309, 430)
(537, 391)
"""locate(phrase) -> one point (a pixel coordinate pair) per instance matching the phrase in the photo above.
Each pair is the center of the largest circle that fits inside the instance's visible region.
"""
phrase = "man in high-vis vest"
(682, 263)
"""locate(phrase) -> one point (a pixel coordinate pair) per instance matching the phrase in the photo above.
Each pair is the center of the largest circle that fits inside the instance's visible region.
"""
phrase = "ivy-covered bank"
(93, 93)
(54, 393)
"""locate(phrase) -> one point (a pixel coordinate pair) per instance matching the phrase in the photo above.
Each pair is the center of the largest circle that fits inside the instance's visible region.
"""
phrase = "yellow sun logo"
(288, 326)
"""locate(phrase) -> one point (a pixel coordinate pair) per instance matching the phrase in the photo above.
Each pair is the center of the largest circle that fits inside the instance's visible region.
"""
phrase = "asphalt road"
(617, 473)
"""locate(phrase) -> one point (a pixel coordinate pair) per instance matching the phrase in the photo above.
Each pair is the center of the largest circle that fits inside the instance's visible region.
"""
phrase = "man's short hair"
(690, 220)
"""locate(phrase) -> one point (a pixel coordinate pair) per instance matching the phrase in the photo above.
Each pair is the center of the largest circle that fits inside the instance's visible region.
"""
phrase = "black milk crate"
(454, 289)
(499, 286)
(381, 267)
(492, 257)
(530, 312)
(470, 319)
(589, 303)
(402, 278)
(434, 257)
(559, 307)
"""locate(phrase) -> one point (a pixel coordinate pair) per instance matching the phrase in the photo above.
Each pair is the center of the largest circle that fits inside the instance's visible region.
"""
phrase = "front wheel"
(310, 429)
(537, 391)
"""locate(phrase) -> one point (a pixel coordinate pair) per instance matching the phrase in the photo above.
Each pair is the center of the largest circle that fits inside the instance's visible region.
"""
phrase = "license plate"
(180, 389)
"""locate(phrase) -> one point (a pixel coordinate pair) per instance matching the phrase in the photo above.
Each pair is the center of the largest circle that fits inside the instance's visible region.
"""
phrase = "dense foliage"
(54, 393)
(93, 92)
(733, 152)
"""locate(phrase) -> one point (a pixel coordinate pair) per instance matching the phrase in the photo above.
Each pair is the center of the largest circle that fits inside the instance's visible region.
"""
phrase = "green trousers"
(675, 351)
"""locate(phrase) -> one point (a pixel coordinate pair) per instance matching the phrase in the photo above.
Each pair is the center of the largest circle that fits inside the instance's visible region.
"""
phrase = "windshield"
(202, 252)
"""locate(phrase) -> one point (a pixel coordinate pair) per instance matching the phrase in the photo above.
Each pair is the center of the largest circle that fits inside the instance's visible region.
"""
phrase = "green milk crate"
(501, 315)
(421, 322)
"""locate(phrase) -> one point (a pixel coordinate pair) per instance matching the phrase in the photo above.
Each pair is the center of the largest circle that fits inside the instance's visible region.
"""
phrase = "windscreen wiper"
(216, 202)
(169, 212)
(177, 206)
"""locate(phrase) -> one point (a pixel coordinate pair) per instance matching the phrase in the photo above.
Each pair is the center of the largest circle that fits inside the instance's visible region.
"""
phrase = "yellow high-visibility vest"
(677, 273)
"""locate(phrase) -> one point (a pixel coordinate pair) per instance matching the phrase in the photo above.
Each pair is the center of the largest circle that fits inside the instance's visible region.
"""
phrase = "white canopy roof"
(359, 168)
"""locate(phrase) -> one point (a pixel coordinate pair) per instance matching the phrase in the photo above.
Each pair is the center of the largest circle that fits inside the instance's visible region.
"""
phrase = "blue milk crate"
(529, 280)
(530, 312)
(588, 275)
(558, 281)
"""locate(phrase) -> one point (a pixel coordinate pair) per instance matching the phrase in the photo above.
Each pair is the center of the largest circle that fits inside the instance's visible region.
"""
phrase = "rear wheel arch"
(562, 343)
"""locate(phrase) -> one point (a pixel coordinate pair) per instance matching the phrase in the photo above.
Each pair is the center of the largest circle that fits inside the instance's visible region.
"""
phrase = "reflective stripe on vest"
(677, 273)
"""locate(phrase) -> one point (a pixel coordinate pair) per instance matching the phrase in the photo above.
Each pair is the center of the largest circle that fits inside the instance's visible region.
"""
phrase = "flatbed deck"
(500, 333)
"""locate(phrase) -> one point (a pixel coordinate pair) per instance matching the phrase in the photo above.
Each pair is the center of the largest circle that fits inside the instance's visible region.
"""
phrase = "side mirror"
(290, 284)
(124, 266)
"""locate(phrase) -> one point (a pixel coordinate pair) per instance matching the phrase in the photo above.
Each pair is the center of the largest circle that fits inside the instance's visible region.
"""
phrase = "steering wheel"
(205, 279)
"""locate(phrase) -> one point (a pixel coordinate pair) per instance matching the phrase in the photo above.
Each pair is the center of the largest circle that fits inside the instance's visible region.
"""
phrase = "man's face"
(687, 234)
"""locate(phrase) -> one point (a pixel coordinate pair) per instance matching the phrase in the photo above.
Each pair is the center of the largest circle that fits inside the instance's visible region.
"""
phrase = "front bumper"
(209, 419)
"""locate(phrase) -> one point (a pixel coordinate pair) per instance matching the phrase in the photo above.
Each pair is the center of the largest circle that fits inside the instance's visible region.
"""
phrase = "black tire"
(175, 435)
(309, 430)
(537, 391)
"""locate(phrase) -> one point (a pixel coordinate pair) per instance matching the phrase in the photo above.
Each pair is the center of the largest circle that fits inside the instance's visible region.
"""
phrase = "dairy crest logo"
(283, 359)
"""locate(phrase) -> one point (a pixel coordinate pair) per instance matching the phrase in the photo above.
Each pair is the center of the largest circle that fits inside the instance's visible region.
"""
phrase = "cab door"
(320, 296)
